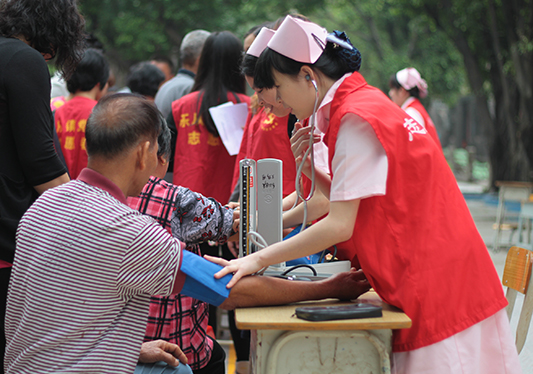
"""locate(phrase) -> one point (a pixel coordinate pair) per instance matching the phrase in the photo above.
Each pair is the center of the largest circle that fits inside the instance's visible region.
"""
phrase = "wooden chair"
(517, 277)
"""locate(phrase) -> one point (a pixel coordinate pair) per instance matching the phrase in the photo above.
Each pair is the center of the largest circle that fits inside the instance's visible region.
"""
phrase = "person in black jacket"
(31, 33)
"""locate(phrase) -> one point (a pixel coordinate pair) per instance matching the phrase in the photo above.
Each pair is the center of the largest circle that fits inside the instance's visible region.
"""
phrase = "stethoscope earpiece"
(308, 77)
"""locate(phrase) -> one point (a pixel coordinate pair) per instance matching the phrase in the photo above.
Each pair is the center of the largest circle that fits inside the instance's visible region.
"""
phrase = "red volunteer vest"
(71, 119)
(430, 126)
(265, 136)
(418, 245)
(201, 162)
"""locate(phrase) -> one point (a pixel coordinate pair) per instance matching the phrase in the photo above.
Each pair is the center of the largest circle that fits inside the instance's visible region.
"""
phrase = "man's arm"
(263, 290)
(201, 284)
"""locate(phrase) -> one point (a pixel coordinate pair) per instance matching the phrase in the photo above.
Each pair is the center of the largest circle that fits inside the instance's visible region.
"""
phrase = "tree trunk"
(509, 75)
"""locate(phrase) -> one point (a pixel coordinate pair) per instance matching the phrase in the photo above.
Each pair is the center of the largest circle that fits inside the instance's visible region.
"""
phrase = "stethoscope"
(309, 152)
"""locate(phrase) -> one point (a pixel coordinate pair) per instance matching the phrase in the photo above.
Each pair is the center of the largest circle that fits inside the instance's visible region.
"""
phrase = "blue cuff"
(200, 282)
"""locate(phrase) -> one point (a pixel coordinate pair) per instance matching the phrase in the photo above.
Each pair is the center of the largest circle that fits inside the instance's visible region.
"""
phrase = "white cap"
(410, 78)
(260, 42)
(299, 40)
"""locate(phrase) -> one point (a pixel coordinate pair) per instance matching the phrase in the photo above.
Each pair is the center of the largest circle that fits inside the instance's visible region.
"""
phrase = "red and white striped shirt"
(85, 267)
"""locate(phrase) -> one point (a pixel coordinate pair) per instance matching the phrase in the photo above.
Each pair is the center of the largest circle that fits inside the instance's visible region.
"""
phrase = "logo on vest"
(413, 127)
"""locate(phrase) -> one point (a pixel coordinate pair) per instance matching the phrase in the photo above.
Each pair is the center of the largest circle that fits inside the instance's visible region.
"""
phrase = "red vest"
(418, 245)
(201, 162)
(265, 136)
(71, 119)
(430, 126)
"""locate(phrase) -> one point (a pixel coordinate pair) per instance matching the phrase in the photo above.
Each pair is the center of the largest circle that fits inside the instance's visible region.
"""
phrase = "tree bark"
(511, 143)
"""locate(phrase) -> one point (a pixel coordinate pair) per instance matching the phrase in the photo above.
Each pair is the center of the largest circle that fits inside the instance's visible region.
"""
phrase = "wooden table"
(282, 343)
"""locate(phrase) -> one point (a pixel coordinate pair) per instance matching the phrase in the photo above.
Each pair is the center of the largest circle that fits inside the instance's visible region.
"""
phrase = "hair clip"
(318, 41)
(332, 38)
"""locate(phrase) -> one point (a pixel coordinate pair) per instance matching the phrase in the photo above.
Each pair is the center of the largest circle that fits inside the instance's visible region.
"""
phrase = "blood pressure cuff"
(200, 282)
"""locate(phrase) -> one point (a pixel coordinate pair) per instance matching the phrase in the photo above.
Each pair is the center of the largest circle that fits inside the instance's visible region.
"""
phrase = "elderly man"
(86, 263)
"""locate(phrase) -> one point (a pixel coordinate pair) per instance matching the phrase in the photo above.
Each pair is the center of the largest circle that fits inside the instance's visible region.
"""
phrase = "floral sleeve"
(197, 218)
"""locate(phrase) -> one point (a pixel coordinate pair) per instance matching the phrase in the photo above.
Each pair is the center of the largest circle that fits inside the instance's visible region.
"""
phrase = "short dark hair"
(119, 122)
(145, 79)
(92, 69)
(218, 73)
(50, 26)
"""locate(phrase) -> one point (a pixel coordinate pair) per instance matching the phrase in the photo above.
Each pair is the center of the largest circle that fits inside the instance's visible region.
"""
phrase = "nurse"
(395, 199)
(406, 89)
(267, 135)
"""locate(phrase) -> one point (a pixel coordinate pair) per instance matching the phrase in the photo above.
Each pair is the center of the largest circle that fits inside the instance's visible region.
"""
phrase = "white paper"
(229, 120)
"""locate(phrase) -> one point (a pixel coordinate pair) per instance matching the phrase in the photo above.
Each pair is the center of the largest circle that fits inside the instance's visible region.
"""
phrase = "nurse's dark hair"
(119, 122)
(331, 63)
(50, 26)
(255, 29)
(219, 74)
(393, 83)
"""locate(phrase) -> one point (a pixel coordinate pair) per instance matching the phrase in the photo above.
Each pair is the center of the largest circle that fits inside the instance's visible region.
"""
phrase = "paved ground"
(483, 209)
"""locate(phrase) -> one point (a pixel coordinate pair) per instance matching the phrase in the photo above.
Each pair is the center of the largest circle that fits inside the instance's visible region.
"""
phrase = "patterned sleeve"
(199, 219)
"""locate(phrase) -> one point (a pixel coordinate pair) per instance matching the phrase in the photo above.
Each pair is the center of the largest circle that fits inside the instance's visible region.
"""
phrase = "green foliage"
(389, 35)
(135, 29)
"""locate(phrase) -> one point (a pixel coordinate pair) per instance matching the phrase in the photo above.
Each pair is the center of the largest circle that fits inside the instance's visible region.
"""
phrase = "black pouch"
(327, 313)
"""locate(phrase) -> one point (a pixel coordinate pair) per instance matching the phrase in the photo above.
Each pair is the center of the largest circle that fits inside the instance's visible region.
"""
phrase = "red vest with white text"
(418, 244)
(430, 126)
(265, 136)
(201, 161)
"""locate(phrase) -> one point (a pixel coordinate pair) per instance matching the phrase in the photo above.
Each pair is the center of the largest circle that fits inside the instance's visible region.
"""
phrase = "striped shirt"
(85, 267)
(181, 319)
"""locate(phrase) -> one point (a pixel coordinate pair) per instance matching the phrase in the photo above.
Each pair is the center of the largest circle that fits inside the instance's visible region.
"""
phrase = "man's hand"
(160, 350)
(349, 285)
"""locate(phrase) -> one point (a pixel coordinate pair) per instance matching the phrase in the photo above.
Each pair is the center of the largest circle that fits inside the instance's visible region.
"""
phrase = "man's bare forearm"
(261, 290)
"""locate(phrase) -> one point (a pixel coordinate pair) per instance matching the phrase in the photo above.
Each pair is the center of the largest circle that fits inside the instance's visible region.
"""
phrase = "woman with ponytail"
(394, 199)
(201, 161)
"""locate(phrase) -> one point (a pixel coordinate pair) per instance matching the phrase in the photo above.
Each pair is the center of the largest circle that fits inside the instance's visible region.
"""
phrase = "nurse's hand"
(300, 140)
(240, 267)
